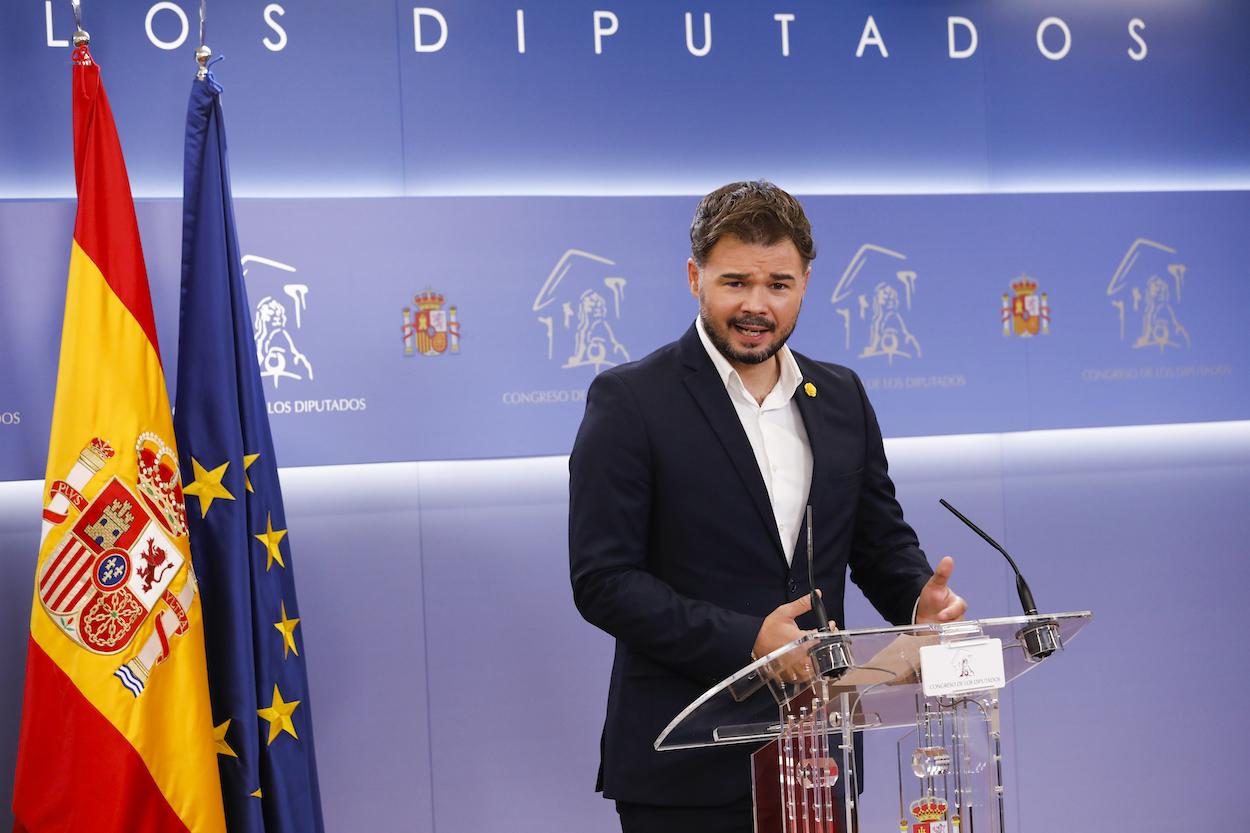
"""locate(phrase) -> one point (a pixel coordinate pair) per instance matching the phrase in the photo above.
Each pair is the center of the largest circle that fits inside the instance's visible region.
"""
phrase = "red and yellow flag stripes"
(117, 733)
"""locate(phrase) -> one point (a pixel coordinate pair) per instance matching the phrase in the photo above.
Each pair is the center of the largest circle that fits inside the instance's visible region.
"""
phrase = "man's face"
(749, 297)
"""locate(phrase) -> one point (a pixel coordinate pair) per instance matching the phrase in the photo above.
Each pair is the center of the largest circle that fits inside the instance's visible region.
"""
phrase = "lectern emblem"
(930, 815)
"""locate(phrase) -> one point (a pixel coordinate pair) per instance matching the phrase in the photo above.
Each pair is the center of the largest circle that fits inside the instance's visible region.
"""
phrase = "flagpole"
(203, 53)
(81, 36)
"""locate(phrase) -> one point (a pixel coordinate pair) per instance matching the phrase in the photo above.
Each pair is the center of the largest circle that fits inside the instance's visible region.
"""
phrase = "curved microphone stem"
(1022, 586)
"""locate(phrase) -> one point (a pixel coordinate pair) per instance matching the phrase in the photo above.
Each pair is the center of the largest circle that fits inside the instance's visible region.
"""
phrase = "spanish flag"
(117, 733)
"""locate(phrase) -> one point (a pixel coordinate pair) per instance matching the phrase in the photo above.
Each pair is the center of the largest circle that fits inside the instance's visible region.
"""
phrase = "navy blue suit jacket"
(674, 549)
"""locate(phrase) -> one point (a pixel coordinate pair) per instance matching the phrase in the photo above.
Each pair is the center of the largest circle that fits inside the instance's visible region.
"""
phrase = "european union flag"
(258, 683)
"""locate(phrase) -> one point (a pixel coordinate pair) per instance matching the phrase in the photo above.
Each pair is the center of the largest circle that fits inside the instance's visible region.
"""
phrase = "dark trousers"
(650, 818)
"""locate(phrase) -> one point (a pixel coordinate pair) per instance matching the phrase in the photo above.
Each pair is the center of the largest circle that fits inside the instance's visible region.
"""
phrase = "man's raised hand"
(938, 603)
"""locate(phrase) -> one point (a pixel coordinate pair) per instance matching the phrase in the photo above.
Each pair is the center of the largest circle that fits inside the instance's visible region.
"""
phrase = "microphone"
(1040, 639)
(818, 604)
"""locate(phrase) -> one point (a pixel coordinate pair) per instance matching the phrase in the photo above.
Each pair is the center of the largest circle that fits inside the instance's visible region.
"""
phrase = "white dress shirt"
(778, 438)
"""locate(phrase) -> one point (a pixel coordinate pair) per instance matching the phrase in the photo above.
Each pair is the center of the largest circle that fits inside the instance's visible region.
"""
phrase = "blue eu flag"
(262, 716)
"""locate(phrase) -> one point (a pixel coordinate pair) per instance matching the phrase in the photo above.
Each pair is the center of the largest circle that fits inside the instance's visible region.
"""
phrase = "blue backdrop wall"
(520, 178)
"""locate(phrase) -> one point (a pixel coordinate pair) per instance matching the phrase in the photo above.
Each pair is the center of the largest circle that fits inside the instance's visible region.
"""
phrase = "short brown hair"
(754, 212)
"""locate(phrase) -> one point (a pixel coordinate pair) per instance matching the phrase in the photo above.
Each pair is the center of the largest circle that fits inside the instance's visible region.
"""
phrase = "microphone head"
(1026, 596)
(818, 607)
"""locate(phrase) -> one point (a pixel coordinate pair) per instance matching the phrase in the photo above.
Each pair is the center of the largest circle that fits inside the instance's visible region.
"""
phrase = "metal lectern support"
(850, 783)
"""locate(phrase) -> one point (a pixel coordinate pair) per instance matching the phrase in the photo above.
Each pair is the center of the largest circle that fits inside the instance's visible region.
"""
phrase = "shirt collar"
(787, 383)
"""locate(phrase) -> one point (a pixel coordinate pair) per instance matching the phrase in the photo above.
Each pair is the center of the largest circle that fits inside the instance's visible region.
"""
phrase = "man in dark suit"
(688, 482)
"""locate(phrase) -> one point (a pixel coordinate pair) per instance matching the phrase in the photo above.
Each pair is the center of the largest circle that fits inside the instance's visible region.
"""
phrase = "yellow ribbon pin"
(810, 390)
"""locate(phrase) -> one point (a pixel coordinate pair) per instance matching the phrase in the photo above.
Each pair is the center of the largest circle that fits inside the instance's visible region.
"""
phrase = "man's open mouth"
(752, 330)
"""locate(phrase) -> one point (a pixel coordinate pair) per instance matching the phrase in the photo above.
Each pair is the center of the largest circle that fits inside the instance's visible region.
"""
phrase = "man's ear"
(694, 275)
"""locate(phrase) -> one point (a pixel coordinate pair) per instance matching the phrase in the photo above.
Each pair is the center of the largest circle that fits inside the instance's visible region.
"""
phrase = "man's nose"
(755, 300)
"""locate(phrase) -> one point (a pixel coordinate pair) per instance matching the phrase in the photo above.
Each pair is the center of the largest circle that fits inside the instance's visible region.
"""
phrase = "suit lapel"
(709, 392)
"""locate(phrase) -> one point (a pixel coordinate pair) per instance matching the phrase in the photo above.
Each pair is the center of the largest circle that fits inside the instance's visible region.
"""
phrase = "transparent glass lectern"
(938, 682)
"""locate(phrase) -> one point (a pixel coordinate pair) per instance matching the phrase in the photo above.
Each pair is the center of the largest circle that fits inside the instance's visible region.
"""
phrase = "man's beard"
(721, 343)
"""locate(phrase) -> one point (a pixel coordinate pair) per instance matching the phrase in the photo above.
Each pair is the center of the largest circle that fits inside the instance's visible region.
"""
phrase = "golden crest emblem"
(429, 329)
(1024, 312)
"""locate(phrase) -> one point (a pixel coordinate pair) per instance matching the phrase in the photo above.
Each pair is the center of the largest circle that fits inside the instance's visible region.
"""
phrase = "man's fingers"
(943, 572)
(955, 608)
(797, 607)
